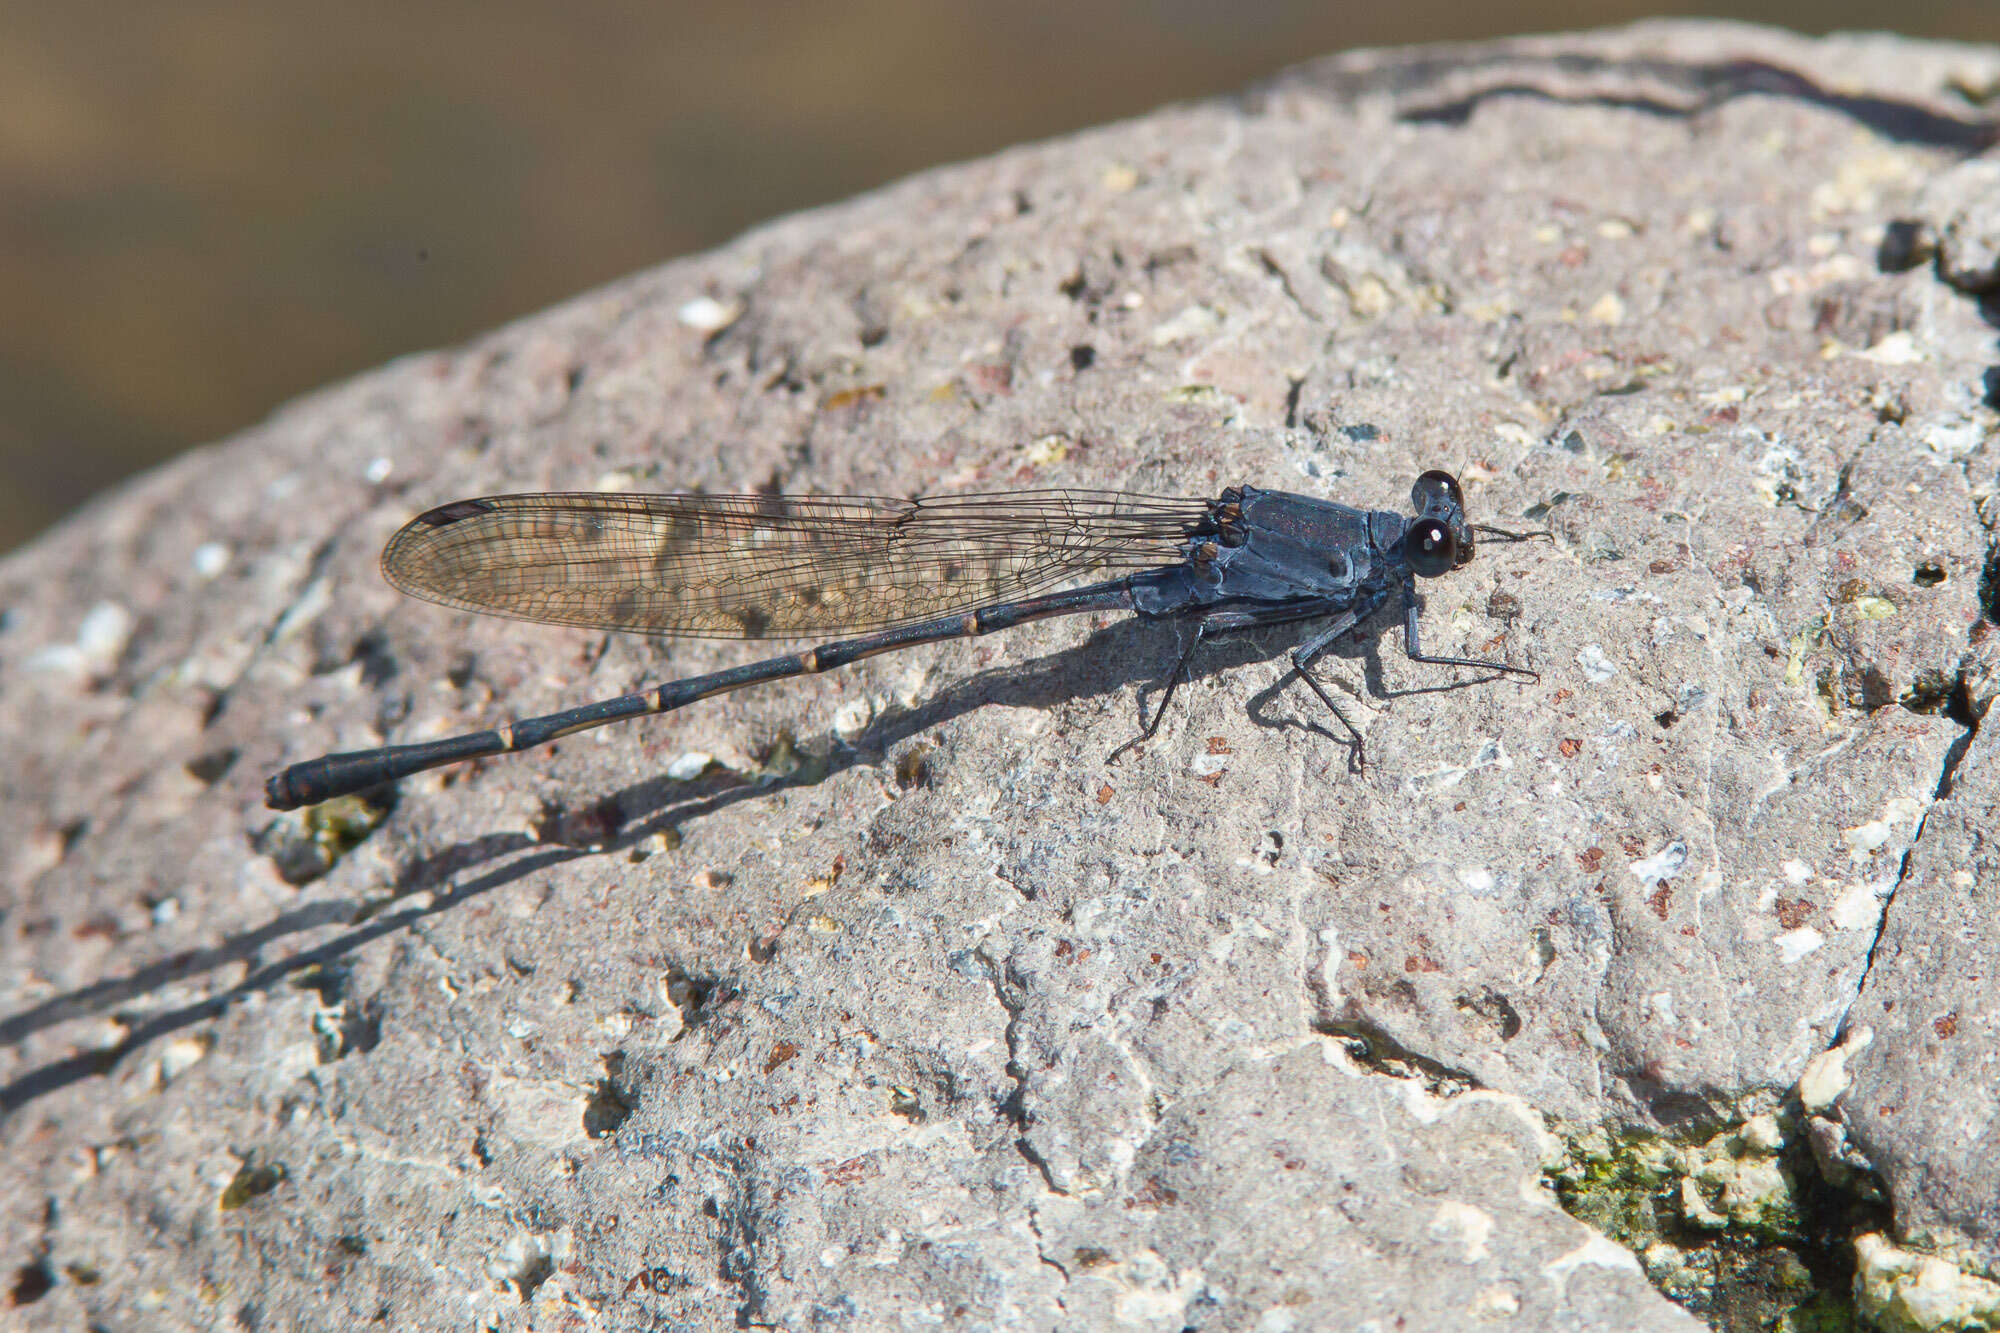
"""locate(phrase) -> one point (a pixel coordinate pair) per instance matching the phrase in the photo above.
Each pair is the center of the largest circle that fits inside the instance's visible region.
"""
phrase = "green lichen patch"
(305, 844)
(1738, 1228)
(251, 1181)
(787, 763)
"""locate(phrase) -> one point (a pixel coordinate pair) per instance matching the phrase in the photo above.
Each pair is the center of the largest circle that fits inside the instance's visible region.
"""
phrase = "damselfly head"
(1437, 540)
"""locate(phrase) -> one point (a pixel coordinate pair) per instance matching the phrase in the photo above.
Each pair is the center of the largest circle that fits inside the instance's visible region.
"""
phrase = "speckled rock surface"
(878, 1000)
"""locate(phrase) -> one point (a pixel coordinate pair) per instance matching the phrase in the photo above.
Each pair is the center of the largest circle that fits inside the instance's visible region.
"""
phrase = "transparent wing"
(751, 566)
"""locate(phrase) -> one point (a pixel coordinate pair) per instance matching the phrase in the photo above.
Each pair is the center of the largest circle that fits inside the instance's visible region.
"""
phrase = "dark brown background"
(209, 206)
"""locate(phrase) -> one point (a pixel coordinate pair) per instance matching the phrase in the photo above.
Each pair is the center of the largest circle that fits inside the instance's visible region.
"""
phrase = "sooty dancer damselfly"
(897, 573)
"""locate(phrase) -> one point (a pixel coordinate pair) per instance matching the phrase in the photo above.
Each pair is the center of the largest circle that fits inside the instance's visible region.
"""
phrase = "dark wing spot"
(810, 596)
(625, 606)
(754, 621)
(953, 572)
(666, 557)
(456, 511)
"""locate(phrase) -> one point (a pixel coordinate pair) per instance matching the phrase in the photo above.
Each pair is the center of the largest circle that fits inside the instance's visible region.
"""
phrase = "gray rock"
(898, 1006)
(1958, 205)
(1923, 1102)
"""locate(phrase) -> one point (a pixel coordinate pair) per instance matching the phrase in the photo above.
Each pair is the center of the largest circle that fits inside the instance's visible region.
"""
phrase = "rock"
(903, 1007)
(1923, 1104)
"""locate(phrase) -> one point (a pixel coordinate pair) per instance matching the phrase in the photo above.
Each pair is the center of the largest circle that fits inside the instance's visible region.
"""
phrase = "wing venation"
(751, 566)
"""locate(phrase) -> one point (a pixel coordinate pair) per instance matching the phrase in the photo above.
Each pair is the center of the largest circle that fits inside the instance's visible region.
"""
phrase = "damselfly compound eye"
(1436, 491)
(1429, 547)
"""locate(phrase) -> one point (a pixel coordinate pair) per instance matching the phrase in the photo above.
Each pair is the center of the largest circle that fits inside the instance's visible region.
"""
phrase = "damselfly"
(895, 573)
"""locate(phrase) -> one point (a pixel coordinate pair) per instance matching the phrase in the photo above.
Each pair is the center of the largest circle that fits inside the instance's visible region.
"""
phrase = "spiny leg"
(1219, 622)
(1506, 536)
(1303, 655)
(1174, 679)
(1413, 607)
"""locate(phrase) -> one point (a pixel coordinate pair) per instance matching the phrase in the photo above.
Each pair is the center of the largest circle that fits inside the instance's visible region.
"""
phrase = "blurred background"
(209, 206)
